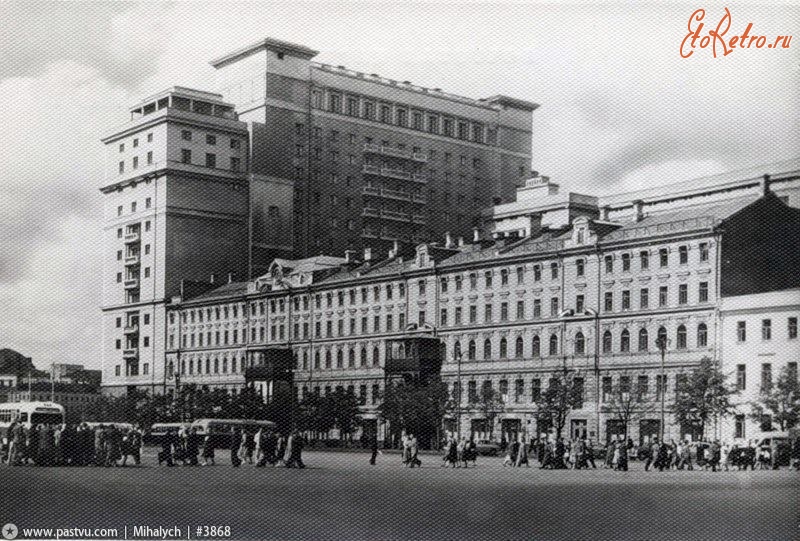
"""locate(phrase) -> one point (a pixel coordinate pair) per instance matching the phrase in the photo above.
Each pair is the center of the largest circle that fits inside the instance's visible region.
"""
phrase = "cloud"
(620, 108)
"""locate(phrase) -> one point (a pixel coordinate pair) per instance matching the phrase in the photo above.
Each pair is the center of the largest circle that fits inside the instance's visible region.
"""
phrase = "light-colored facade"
(759, 341)
(175, 208)
(588, 294)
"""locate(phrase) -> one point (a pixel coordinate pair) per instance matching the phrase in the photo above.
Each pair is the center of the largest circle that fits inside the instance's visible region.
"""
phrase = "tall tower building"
(371, 160)
(175, 210)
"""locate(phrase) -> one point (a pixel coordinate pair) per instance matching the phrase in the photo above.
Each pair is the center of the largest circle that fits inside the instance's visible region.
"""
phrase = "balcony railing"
(132, 328)
(132, 259)
(131, 283)
(394, 215)
(419, 157)
(418, 219)
(399, 195)
(369, 190)
(375, 213)
(420, 177)
(132, 237)
(130, 353)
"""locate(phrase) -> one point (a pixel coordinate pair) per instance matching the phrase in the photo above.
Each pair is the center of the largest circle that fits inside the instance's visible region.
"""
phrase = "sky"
(620, 109)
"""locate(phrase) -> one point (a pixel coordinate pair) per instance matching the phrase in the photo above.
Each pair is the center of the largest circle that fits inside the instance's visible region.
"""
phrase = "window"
(487, 349)
(537, 308)
(644, 260)
(136, 162)
(536, 347)
(702, 294)
(739, 427)
(703, 251)
(504, 311)
(443, 285)
(608, 303)
(741, 331)
(554, 306)
(149, 157)
(121, 167)
(766, 377)
(503, 348)
(537, 273)
(741, 377)
(421, 285)
(236, 143)
(211, 159)
(644, 298)
(487, 276)
(580, 344)
(702, 335)
(211, 139)
(607, 342)
(553, 345)
(681, 337)
(625, 341)
(520, 275)
(663, 296)
(236, 164)
(186, 155)
(186, 135)
(626, 300)
(487, 313)
(536, 389)
(579, 304)
(683, 293)
(518, 347)
(766, 329)
(580, 266)
(504, 277)
(443, 318)
(626, 262)
(792, 328)
(683, 255)
(643, 340)
(663, 255)
(554, 270)
(609, 264)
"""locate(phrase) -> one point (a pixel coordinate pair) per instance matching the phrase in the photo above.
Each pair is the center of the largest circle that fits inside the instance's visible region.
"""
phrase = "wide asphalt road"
(339, 496)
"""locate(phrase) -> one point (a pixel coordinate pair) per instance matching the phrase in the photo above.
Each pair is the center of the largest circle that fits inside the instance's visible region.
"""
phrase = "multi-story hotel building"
(566, 281)
(372, 160)
(292, 159)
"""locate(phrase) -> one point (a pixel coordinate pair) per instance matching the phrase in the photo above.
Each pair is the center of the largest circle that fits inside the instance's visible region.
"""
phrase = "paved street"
(339, 496)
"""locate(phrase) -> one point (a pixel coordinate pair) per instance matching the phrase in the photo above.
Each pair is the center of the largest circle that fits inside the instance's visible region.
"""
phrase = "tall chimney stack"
(448, 240)
(367, 254)
(764, 186)
(604, 210)
(213, 278)
(476, 235)
(638, 210)
(350, 256)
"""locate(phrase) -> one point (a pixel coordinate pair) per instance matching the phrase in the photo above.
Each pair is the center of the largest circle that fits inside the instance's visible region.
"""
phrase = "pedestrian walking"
(373, 442)
(522, 455)
(413, 450)
(236, 446)
(208, 451)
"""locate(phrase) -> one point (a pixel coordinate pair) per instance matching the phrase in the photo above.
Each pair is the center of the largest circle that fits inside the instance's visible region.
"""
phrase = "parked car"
(486, 447)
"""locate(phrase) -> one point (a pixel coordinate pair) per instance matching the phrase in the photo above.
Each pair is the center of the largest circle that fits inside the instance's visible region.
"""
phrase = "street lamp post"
(662, 343)
(457, 356)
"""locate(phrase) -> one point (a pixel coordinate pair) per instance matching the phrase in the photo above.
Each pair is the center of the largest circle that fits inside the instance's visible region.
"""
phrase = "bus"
(220, 429)
(157, 431)
(28, 414)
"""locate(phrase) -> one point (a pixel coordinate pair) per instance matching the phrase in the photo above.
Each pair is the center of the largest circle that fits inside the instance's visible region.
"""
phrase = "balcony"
(420, 177)
(398, 195)
(130, 353)
(395, 152)
(132, 259)
(397, 216)
(418, 219)
(369, 190)
(419, 157)
(374, 213)
(132, 237)
(131, 328)
(419, 198)
(131, 283)
(368, 233)
(395, 173)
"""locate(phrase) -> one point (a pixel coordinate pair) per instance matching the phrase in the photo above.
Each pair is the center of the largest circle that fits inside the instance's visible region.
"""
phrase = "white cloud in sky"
(620, 108)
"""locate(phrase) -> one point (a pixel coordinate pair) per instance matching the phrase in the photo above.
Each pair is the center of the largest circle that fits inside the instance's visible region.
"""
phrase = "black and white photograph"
(399, 270)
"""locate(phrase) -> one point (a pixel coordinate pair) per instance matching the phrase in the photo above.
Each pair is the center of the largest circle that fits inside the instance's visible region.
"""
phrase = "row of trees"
(701, 397)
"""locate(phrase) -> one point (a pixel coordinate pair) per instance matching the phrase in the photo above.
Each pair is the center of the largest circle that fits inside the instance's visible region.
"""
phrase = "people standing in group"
(452, 453)
(522, 455)
(511, 454)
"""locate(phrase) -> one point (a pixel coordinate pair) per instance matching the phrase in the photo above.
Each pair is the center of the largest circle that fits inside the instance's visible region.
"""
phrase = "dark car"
(486, 447)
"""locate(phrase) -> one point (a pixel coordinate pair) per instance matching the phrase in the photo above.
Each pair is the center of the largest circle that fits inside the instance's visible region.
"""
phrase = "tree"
(701, 396)
(344, 411)
(489, 404)
(781, 401)
(416, 408)
(561, 396)
(623, 404)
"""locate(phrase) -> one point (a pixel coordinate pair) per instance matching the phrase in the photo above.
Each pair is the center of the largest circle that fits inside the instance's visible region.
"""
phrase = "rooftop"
(266, 43)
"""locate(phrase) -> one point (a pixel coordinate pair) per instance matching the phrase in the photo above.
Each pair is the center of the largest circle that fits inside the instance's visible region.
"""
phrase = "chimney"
(350, 256)
(638, 210)
(367, 254)
(212, 279)
(763, 186)
(395, 248)
(460, 242)
(230, 277)
(476, 235)
(448, 240)
(604, 210)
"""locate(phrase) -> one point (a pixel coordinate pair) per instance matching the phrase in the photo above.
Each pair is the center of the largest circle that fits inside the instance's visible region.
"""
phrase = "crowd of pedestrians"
(72, 445)
(460, 452)
(259, 448)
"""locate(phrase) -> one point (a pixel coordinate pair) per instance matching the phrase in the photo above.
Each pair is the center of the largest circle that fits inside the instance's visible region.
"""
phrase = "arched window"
(607, 342)
(536, 347)
(580, 344)
(503, 348)
(233, 365)
(681, 342)
(191, 366)
(328, 359)
(183, 367)
(363, 356)
(518, 348)
(340, 359)
(487, 349)
(224, 365)
(170, 368)
(243, 364)
(305, 360)
(471, 350)
(316, 360)
(208, 366)
(351, 358)
(662, 336)
(376, 356)
(643, 340)
(702, 335)
(553, 344)
(457, 349)
(625, 341)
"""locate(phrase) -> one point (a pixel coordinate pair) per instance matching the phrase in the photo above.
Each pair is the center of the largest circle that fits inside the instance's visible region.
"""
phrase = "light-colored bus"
(120, 426)
(158, 430)
(28, 414)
